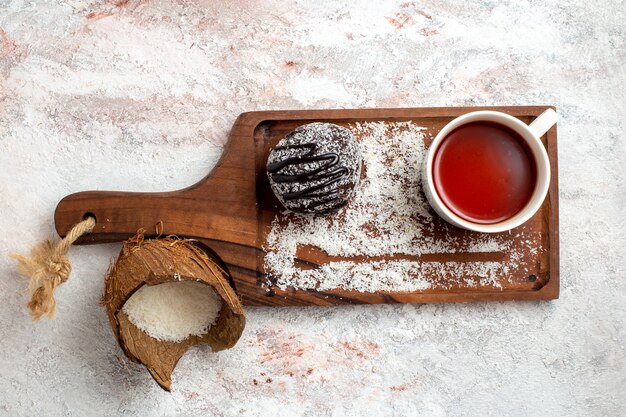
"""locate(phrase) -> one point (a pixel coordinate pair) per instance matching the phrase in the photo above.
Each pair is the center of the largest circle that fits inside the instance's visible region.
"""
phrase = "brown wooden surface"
(231, 208)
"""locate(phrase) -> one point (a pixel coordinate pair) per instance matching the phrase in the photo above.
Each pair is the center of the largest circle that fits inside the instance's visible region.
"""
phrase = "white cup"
(530, 133)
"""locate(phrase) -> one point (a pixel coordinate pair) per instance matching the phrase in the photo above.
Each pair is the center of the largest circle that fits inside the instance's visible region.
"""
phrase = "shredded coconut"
(381, 240)
(173, 311)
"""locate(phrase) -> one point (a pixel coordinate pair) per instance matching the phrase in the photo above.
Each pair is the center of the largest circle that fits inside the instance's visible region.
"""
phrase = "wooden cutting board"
(232, 211)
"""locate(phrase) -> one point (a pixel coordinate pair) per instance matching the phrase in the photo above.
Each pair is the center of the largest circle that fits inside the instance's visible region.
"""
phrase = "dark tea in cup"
(484, 172)
(488, 171)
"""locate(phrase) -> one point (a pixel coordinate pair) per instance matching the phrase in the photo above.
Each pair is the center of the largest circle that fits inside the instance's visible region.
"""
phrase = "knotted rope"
(48, 267)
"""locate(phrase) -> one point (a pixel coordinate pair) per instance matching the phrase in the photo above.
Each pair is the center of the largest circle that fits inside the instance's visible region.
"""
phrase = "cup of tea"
(488, 171)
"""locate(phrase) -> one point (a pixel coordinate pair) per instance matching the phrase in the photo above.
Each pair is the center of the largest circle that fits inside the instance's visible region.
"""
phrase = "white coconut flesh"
(174, 311)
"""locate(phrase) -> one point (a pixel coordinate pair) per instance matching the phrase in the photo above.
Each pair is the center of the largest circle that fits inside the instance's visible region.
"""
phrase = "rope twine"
(47, 267)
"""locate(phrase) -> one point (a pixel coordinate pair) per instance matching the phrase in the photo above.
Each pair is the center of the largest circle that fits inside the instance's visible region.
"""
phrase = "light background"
(140, 95)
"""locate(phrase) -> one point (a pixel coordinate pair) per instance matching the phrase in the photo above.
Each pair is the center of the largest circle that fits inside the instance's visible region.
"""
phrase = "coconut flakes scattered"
(173, 311)
(388, 216)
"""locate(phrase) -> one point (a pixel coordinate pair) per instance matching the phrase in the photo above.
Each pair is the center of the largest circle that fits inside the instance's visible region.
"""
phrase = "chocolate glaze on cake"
(315, 168)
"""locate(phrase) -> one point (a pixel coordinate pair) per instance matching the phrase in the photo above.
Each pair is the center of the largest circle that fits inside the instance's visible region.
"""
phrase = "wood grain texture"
(231, 208)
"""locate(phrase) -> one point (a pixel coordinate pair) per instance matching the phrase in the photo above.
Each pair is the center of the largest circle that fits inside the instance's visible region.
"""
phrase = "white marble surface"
(140, 95)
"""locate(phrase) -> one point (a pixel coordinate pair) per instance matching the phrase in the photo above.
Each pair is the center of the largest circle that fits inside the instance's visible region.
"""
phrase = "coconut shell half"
(153, 262)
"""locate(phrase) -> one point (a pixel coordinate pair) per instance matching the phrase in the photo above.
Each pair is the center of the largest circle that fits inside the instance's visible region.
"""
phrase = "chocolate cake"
(315, 168)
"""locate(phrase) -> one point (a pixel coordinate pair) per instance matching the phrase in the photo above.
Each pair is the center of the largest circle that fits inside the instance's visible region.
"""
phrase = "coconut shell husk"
(152, 262)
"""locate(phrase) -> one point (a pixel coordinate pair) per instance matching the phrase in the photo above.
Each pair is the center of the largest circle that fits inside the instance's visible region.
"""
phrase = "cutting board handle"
(118, 214)
(220, 207)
